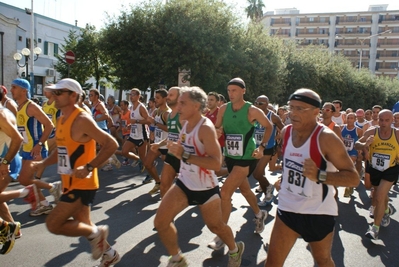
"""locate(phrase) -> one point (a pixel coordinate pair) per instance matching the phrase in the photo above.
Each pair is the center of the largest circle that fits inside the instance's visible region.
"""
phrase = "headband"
(236, 83)
(305, 99)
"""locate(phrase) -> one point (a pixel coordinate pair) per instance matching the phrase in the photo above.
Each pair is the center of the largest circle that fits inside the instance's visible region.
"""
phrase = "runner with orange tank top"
(77, 161)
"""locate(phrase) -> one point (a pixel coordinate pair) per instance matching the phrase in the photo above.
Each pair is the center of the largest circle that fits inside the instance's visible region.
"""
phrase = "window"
(20, 38)
(310, 30)
(322, 20)
(349, 30)
(311, 19)
(50, 49)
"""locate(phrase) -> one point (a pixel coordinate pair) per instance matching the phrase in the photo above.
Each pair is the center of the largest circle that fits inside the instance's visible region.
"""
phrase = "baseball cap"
(67, 83)
(21, 83)
(360, 112)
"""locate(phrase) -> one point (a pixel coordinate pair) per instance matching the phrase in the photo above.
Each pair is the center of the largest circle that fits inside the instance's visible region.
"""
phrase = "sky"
(93, 11)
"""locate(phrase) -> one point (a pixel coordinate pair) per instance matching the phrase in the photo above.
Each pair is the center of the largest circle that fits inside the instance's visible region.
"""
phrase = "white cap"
(70, 84)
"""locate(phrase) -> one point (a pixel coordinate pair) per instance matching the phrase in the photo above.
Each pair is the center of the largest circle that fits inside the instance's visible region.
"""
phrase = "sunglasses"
(326, 109)
(60, 92)
(260, 103)
(133, 94)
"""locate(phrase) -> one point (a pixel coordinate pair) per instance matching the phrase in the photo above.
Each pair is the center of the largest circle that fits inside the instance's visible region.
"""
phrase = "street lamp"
(26, 53)
(362, 42)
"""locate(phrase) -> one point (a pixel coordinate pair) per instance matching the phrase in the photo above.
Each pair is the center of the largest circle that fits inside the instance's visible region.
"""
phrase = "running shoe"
(107, 260)
(216, 244)
(371, 212)
(41, 210)
(147, 179)
(260, 222)
(386, 220)
(56, 191)
(269, 193)
(155, 190)
(107, 168)
(372, 233)
(135, 163)
(7, 236)
(32, 197)
(235, 258)
(259, 189)
(98, 243)
(125, 163)
(181, 263)
(115, 161)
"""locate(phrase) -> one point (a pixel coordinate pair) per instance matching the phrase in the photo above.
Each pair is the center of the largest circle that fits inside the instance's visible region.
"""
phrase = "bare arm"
(337, 131)
(365, 141)
(277, 121)
(104, 113)
(258, 115)
(334, 151)
(12, 106)
(9, 127)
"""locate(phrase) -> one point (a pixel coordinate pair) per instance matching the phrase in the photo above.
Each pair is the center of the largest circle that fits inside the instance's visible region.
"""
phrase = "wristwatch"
(40, 143)
(5, 162)
(263, 145)
(89, 167)
(185, 156)
(321, 176)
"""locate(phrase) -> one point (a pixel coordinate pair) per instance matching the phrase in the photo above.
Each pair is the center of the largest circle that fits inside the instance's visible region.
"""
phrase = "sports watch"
(185, 156)
(5, 162)
(40, 143)
(89, 167)
(321, 176)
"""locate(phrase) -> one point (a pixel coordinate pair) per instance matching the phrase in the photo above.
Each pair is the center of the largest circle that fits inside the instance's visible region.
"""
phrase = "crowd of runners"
(202, 140)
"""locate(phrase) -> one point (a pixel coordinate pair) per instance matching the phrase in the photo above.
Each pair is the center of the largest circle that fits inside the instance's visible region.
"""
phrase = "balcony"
(353, 46)
(354, 34)
(280, 23)
(388, 45)
(367, 21)
(388, 57)
(389, 21)
(386, 71)
(314, 23)
(312, 35)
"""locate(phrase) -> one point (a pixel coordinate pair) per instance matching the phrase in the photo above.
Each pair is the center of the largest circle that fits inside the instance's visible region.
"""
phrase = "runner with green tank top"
(236, 120)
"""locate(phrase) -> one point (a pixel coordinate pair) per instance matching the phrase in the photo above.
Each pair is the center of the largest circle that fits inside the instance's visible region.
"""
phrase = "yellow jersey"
(384, 153)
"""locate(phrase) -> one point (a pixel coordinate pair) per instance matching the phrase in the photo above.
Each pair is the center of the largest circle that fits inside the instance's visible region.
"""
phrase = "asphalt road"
(123, 203)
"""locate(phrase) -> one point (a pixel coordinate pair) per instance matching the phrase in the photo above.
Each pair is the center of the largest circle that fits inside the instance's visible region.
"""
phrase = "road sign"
(70, 57)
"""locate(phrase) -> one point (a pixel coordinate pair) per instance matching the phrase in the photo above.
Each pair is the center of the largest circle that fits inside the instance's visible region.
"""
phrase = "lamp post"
(27, 54)
(362, 42)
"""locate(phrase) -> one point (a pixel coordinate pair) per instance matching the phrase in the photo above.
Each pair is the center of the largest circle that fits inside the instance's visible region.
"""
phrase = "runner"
(383, 167)
(77, 161)
(262, 103)
(172, 164)
(338, 117)
(327, 115)
(200, 155)
(8, 102)
(236, 120)
(306, 206)
(350, 134)
(159, 119)
(31, 120)
(124, 122)
(53, 113)
(114, 115)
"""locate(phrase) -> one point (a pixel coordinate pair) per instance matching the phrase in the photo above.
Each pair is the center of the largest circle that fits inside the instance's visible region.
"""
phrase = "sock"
(377, 227)
(177, 257)
(110, 252)
(235, 250)
(94, 233)
(23, 192)
(259, 214)
(44, 203)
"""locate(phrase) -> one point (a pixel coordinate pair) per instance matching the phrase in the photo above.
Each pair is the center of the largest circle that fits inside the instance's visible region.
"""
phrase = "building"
(370, 39)
(49, 36)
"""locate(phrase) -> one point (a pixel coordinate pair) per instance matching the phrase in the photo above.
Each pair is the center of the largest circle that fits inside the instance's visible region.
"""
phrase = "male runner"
(199, 152)
(76, 135)
(312, 154)
(338, 117)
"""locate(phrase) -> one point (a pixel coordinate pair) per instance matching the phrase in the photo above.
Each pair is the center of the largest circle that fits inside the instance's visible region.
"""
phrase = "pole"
(32, 55)
(361, 53)
(2, 57)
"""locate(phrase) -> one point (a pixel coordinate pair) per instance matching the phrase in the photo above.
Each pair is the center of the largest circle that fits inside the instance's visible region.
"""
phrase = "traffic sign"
(70, 57)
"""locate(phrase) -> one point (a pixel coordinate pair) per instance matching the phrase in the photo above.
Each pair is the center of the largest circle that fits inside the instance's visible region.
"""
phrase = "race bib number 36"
(234, 144)
(64, 165)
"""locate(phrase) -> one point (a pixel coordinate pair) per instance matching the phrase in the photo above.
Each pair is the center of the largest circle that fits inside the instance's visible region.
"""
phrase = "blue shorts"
(15, 167)
(27, 155)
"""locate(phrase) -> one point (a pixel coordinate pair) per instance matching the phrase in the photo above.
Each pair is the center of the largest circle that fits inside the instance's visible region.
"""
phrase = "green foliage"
(254, 9)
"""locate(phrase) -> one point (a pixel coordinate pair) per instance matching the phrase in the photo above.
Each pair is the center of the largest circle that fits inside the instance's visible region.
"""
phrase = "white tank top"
(114, 117)
(299, 194)
(5, 140)
(160, 134)
(137, 130)
(338, 120)
(192, 176)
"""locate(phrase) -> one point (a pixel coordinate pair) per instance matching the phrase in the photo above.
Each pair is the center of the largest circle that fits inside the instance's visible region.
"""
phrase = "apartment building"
(370, 39)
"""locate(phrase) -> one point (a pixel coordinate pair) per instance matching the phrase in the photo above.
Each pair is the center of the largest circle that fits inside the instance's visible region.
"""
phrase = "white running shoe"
(181, 263)
(41, 210)
(260, 222)
(115, 161)
(98, 243)
(107, 260)
(236, 258)
(372, 233)
(56, 191)
(107, 168)
(216, 244)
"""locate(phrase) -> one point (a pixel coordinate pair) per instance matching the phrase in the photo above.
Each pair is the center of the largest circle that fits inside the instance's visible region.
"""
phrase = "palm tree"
(255, 9)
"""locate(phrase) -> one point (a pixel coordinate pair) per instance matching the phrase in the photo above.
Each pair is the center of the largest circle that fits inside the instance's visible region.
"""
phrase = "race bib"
(380, 162)
(22, 131)
(234, 144)
(258, 137)
(64, 165)
(173, 137)
(295, 182)
(158, 135)
(348, 143)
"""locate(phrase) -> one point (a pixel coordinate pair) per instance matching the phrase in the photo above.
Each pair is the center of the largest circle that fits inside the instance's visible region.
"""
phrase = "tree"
(255, 9)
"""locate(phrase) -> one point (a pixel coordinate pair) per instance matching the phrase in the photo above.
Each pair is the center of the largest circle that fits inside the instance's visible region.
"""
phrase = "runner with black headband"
(306, 206)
